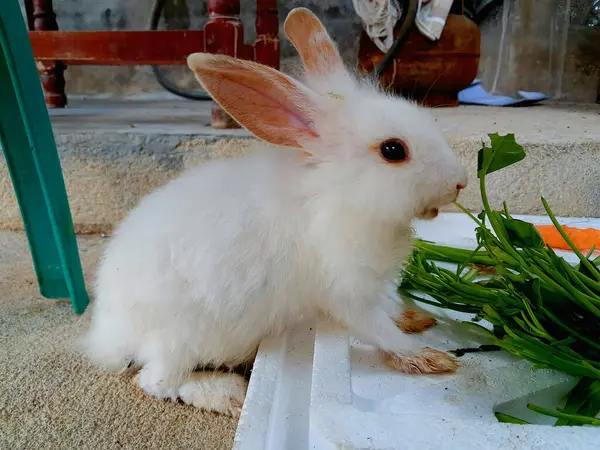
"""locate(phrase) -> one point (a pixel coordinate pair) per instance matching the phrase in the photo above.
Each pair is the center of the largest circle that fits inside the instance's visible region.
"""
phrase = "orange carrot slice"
(584, 239)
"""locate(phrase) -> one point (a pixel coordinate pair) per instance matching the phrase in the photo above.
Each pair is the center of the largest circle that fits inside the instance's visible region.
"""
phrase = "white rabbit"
(235, 250)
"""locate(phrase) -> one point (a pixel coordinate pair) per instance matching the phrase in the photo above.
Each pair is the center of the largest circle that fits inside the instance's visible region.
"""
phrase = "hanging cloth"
(379, 17)
(431, 17)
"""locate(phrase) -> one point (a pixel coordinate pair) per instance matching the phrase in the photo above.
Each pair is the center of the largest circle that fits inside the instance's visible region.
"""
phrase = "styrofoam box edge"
(288, 376)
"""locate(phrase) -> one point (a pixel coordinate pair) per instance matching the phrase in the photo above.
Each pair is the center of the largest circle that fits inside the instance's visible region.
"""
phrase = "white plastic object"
(318, 388)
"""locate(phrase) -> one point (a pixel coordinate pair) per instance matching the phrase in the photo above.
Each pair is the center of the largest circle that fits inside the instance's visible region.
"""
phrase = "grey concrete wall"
(338, 15)
(114, 152)
(546, 45)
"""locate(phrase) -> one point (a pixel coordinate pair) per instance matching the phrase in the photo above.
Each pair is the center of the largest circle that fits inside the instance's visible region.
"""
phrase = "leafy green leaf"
(523, 234)
(504, 151)
(531, 288)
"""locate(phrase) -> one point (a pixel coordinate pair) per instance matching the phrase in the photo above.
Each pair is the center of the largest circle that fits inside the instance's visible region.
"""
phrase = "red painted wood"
(247, 52)
(51, 72)
(224, 8)
(224, 35)
(117, 47)
(266, 46)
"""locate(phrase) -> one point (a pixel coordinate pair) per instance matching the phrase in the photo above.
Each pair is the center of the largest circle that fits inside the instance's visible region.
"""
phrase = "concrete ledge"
(115, 152)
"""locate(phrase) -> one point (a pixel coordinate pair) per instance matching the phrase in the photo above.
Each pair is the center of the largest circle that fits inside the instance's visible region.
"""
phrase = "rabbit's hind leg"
(220, 392)
(216, 391)
(160, 380)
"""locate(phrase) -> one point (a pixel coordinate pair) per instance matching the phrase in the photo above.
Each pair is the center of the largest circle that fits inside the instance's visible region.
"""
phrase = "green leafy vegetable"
(504, 152)
(523, 234)
(541, 308)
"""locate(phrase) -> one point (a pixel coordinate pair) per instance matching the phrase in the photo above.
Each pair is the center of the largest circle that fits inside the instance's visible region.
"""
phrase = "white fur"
(232, 251)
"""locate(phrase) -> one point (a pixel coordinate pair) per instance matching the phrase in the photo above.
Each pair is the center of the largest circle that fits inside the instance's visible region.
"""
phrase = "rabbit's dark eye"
(393, 150)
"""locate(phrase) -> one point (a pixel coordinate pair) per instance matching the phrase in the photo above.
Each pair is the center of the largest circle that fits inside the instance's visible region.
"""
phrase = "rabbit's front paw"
(429, 361)
(411, 321)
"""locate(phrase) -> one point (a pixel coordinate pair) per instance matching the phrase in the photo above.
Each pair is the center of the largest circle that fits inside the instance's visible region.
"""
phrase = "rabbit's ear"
(317, 50)
(269, 104)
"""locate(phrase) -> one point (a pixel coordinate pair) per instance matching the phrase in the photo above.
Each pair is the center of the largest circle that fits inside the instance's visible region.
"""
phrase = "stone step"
(113, 152)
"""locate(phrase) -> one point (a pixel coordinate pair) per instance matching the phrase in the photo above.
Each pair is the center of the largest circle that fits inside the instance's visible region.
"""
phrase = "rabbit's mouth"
(428, 213)
(431, 212)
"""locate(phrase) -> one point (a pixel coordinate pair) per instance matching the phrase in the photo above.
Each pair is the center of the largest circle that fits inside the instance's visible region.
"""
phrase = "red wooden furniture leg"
(41, 17)
(266, 46)
(224, 34)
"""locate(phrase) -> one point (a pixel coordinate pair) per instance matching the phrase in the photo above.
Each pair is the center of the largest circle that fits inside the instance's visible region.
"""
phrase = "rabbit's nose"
(459, 187)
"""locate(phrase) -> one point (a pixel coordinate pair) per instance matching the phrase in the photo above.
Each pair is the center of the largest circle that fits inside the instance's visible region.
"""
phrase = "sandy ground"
(51, 398)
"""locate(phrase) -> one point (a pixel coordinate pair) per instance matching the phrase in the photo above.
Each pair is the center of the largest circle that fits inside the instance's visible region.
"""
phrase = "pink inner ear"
(267, 103)
(297, 121)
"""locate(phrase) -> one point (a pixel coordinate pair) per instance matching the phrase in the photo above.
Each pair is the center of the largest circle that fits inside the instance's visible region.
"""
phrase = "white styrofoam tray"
(317, 387)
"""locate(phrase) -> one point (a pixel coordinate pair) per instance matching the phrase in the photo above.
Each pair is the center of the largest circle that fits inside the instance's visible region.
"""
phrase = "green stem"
(443, 253)
(594, 285)
(453, 306)
(496, 225)
(586, 262)
(468, 213)
(573, 418)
